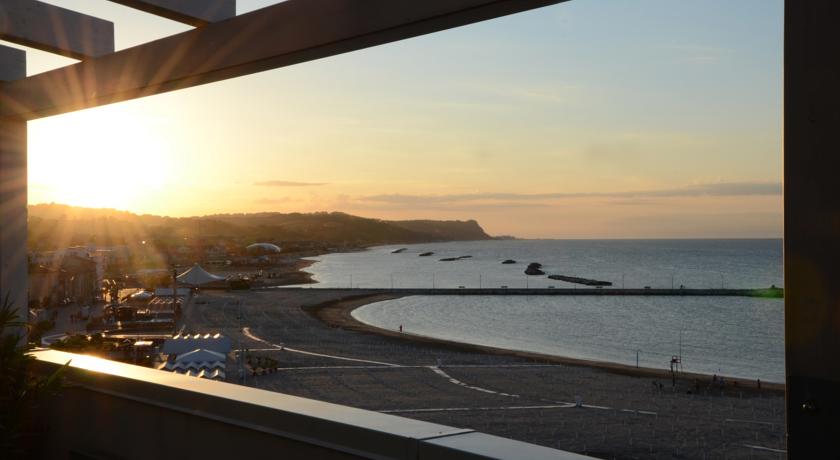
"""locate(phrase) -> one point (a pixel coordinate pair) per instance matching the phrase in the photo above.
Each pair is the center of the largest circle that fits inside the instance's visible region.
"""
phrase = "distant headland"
(109, 227)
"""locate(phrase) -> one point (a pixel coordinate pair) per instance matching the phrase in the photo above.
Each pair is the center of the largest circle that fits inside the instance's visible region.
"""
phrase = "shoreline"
(301, 263)
(338, 314)
(339, 361)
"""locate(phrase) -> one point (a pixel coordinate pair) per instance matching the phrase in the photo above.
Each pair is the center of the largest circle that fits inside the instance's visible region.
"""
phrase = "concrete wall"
(116, 410)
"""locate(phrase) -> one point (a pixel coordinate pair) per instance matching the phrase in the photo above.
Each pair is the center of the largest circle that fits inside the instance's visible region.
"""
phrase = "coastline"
(298, 274)
(522, 396)
(301, 261)
(299, 270)
(338, 314)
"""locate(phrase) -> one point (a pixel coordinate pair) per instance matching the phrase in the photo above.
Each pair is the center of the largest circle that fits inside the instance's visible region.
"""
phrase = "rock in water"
(533, 270)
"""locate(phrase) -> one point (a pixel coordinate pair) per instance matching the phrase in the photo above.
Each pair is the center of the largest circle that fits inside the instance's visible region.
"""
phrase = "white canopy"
(197, 276)
(185, 343)
(264, 247)
(200, 355)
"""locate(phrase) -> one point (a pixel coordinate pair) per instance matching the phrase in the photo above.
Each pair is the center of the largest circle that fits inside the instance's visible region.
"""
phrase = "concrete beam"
(280, 35)
(12, 63)
(51, 28)
(13, 257)
(193, 12)
(812, 226)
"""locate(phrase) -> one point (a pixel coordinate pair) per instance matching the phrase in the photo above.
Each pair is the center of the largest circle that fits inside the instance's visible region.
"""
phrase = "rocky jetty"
(450, 259)
(534, 269)
(426, 254)
(577, 280)
(509, 261)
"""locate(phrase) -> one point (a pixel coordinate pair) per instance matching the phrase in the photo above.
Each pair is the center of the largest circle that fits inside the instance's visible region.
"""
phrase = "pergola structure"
(224, 45)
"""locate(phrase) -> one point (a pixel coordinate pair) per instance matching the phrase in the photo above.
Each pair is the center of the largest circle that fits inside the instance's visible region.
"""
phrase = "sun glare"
(108, 157)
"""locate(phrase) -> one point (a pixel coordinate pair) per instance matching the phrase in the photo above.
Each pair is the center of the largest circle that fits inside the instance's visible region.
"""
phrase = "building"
(82, 285)
(46, 285)
(72, 280)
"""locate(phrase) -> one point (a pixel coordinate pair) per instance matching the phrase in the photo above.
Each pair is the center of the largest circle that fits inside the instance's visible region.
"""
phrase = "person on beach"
(400, 327)
(758, 383)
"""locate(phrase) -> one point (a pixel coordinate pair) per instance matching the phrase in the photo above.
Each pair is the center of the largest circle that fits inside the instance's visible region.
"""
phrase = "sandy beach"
(325, 354)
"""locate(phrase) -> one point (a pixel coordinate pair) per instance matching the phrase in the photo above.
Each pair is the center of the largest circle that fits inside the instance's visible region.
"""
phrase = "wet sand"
(330, 356)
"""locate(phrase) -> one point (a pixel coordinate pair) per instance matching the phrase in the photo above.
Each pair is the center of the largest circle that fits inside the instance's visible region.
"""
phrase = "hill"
(54, 225)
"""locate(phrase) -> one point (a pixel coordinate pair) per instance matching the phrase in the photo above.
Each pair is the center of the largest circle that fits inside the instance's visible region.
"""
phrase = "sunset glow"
(108, 157)
(550, 129)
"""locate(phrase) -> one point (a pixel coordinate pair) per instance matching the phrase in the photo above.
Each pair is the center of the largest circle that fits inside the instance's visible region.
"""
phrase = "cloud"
(699, 54)
(458, 207)
(721, 189)
(288, 183)
(556, 94)
(275, 200)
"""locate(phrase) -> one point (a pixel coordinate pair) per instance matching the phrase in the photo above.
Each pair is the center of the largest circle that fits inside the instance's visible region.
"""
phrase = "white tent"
(264, 248)
(197, 276)
(185, 343)
(200, 355)
(200, 363)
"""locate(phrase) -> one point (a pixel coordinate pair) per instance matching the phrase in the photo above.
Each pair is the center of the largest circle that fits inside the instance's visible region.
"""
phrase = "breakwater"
(577, 280)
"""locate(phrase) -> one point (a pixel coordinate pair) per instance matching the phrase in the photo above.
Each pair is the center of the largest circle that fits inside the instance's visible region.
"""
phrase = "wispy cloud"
(553, 94)
(288, 183)
(696, 190)
(274, 200)
(699, 54)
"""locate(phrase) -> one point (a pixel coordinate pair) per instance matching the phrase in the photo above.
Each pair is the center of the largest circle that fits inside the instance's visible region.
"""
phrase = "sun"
(110, 157)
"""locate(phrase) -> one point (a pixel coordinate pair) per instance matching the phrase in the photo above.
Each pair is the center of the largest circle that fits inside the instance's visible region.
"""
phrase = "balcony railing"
(114, 410)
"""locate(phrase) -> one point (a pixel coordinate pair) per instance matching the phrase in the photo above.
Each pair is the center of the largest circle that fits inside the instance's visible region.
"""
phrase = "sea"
(731, 336)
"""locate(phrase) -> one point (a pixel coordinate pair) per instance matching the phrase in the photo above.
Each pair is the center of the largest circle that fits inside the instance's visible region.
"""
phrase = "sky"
(588, 119)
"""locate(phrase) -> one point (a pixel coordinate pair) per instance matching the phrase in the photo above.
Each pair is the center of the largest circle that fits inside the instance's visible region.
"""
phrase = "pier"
(767, 292)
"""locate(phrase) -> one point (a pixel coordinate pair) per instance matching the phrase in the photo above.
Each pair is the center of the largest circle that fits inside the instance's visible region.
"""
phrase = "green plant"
(21, 392)
(37, 331)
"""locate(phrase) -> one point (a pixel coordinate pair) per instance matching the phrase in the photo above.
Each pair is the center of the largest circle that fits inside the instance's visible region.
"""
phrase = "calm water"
(730, 335)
